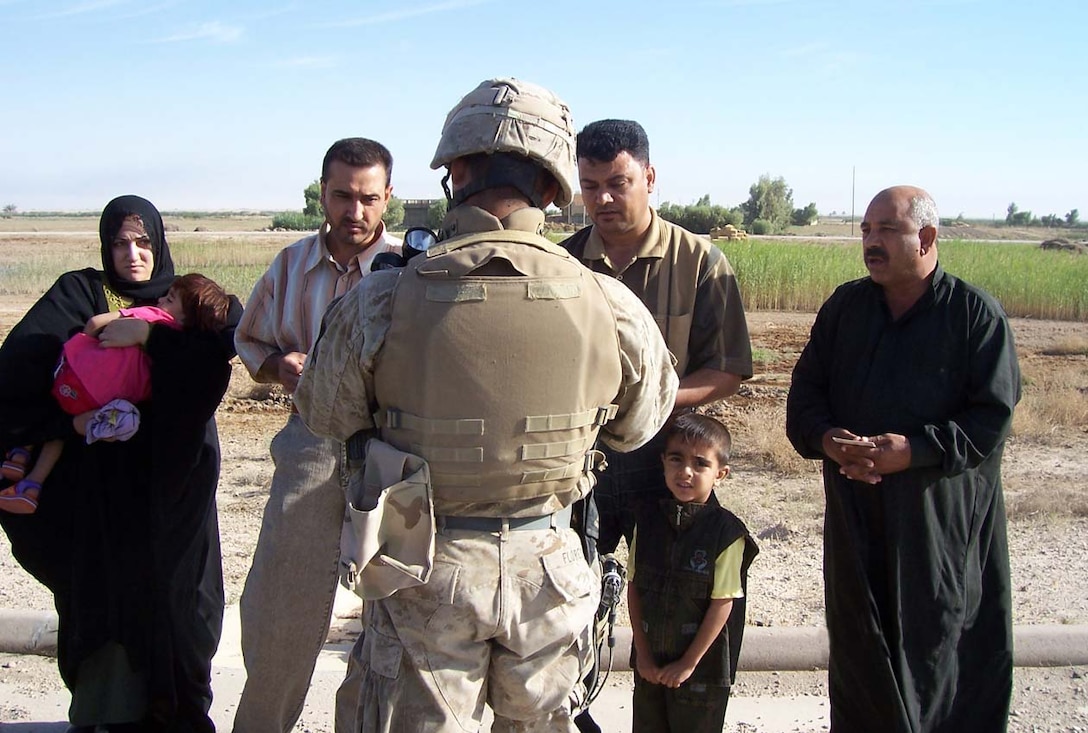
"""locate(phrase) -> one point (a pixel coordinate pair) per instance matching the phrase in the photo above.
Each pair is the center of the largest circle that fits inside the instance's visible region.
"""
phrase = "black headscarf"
(162, 271)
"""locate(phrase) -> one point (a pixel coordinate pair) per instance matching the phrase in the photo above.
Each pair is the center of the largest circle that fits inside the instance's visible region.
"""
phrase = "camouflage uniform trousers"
(505, 619)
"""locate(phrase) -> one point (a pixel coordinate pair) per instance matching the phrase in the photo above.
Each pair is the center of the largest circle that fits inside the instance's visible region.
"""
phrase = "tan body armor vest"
(500, 365)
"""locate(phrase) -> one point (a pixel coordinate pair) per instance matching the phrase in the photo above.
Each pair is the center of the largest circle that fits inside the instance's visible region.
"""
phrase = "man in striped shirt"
(287, 602)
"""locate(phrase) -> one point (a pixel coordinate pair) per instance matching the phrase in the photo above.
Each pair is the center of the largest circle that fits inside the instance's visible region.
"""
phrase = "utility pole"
(853, 178)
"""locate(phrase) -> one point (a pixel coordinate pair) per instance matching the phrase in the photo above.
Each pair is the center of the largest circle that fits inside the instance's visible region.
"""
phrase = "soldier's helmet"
(513, 116)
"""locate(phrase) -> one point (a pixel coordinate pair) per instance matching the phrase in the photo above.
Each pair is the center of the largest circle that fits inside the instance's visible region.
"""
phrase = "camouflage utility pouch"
(387, 542)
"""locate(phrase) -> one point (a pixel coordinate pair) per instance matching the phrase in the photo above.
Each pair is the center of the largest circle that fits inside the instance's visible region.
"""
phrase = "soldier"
(498, 359)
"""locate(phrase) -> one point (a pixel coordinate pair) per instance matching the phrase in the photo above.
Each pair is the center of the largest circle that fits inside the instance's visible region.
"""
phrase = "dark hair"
(691, 427)
(605, 139)
(203, 302)
(359, 152)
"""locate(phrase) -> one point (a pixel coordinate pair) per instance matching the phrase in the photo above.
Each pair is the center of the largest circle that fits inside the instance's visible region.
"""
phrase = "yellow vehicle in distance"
(728, 232)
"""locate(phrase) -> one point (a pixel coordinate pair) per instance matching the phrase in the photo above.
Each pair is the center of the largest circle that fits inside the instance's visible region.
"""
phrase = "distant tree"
(734, 216)
(761, 226)
(671, 212)
(394, 213)
(312, 195)
(1022, 219)
(771, 200)
(297, 222)
(806, 216)
(1051, 220)
(10, 209)
(436, 212)
(1011, 212)
(700, 217)
(1072, 218)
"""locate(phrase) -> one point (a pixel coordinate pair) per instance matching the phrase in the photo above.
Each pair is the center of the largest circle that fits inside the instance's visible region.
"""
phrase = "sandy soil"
(1048, 536)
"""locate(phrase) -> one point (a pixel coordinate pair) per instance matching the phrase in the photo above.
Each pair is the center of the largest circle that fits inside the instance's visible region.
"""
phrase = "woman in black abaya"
(125, 535)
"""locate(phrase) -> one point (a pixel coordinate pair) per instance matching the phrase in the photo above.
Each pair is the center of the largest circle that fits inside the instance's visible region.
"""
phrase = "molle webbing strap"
(449, 455)
(592, 461)
(459, 480)
(571, 470)
(400, 420)
(543, 423)
(555, 450)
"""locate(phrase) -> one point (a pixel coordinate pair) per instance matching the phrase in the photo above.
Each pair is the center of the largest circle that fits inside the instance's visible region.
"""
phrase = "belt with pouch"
(559, 519)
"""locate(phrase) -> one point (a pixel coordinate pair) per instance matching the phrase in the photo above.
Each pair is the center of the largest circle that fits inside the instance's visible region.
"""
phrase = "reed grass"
(30, 266)
(1028, 281)
(773, 274)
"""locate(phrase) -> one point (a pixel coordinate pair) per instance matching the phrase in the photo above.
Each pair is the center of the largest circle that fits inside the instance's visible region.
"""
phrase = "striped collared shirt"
(284, 311)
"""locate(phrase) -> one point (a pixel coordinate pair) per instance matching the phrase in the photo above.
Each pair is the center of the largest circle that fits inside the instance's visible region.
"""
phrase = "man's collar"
(652, 244)
(936, 280)
(321, 253)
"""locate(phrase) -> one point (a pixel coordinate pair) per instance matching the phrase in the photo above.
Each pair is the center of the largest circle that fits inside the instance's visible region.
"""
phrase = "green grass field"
(773, 274)
(1029, 282)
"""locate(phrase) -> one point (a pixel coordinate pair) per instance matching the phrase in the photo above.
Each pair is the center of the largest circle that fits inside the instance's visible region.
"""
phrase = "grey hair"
(923, 211)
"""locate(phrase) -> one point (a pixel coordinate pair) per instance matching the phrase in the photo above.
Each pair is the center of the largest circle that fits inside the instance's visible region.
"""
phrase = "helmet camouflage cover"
(512, 116)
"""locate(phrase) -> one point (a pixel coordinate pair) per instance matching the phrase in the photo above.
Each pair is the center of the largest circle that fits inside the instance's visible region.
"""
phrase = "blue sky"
(206, 104)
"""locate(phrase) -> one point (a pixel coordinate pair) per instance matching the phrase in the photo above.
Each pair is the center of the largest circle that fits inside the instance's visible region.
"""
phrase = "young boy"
(90, 375)
(688, 574)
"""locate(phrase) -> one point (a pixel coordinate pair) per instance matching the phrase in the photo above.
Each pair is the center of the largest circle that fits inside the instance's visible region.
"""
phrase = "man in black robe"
(916, 568)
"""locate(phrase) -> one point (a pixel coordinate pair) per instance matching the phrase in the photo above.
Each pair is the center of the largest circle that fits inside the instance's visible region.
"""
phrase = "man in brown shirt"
(685, 282)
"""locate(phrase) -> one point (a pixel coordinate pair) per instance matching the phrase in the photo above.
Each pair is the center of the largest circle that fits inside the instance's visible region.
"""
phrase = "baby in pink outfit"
(90, 375)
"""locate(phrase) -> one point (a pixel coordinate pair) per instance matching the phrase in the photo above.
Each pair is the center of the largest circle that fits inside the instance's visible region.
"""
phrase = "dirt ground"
(1049, 539)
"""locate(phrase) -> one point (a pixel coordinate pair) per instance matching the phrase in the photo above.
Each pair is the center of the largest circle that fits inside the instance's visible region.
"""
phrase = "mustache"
(876, 252)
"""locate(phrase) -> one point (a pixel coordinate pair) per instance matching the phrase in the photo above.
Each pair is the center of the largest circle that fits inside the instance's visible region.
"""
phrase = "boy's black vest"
(675, 551)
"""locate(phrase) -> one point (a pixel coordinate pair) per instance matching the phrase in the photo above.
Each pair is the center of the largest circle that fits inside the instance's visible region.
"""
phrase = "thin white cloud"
(405, 13)
(748, 3)
(143, 10)
(822, 57)
(87, 6)
(838, 61)
(810, 49)
(271, 12)
(214, 31)
(305, 62)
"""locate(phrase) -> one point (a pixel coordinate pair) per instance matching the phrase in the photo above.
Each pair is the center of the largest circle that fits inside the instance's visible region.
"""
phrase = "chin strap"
(503, 170)
(446, 189)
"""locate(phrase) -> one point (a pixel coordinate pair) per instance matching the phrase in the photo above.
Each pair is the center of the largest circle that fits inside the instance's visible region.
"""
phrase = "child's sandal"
(15, 462)
(22, 498)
